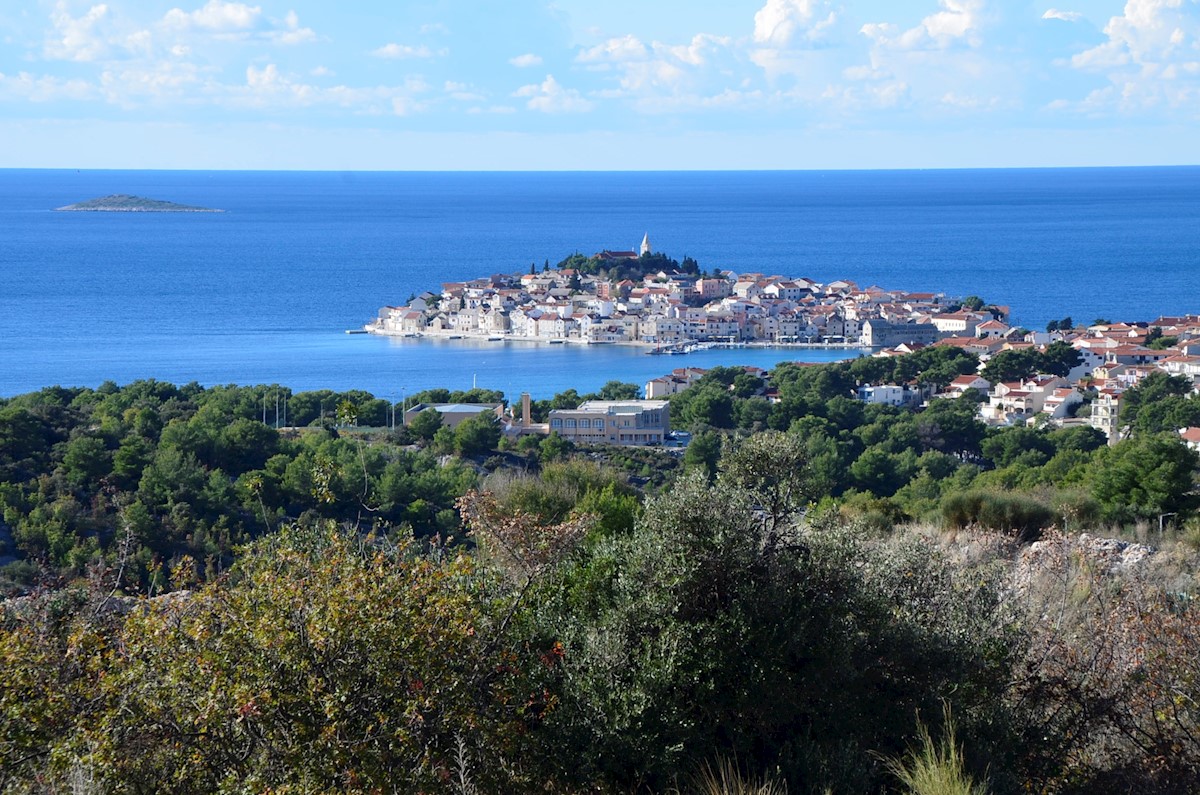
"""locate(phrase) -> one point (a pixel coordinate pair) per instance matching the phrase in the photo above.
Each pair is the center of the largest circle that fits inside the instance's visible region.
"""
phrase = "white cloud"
(76, 38)
(492, 109)
(396, 52)
(1150, 32)
(1151, 59)
(103, 35)
(526, 60)
(321, 71)
(462, 92)
(968, 101)
(697, 52)
(268, 88)
(1065, 16)
(216, 16)
(44, 88)
(959, 21)
(292, 33)
(154, 83)
(655, 68)
(622, 48)
(778, 22)
(879, 95)
(549, 96)
(786, 32)
(864, 72)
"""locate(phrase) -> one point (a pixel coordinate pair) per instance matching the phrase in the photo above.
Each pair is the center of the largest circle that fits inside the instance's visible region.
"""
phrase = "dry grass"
(724, 778)
(935, 767)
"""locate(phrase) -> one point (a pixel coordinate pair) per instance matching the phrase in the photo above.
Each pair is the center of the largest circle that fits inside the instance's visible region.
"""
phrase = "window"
(585, 423)
(570, 423)
(556, 423)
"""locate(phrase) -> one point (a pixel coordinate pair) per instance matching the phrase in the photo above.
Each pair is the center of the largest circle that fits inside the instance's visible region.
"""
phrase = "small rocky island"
(123, 203)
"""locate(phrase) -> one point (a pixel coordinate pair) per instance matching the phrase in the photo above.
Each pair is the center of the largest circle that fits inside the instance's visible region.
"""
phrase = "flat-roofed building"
(613, 422)
(455, 413)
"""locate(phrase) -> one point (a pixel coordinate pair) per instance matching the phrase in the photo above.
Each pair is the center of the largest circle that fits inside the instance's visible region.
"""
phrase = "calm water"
(263, 292)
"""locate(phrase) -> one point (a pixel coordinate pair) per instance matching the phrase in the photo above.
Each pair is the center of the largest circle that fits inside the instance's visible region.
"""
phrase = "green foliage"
(1160, 402)
(200, 471)
(1144, 477)
(1022, 517)
(1059, 358)
(881, 472)
(554, 447)
(405, 668)
(425, 424)
(619, 390)
(477, 435)
(619, 270)
(703, 454)
(675, 633)
(1018, 444)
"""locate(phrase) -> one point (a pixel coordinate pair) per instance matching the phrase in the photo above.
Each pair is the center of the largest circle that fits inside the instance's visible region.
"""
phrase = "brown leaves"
(520, 544)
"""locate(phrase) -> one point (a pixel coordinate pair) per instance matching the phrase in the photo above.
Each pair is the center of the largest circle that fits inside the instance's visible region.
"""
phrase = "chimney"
(525, 410)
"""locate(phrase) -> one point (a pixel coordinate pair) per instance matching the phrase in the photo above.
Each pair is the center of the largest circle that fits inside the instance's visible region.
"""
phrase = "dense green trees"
(1059, 358)
(201, 473)
(477, 435)
(1160, 402)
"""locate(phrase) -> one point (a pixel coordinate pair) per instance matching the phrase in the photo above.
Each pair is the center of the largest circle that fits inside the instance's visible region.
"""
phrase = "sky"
(598, 84)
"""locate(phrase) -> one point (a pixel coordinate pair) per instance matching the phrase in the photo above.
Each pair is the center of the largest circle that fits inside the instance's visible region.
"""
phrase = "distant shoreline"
(576, 341)
(124, 203)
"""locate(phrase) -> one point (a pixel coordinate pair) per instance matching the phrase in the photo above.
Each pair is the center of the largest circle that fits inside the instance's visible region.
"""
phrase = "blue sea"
(263, 292)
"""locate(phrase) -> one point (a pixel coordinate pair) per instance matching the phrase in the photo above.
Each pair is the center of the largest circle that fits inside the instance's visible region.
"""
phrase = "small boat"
(455, 336)
(556, 342)
(495, 339)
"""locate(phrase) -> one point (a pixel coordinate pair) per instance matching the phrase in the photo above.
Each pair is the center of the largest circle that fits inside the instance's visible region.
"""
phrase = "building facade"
(633, 422)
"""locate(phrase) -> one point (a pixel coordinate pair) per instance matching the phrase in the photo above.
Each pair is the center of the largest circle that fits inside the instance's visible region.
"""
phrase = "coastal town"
(675, 309)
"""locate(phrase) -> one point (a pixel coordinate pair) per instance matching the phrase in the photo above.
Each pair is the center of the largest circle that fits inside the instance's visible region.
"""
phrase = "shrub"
(1023, 517)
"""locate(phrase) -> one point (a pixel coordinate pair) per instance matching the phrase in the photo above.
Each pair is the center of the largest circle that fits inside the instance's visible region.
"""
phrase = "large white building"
(613, 422)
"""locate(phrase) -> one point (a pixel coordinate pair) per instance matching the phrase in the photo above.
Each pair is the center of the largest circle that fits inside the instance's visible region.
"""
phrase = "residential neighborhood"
(1112, 358)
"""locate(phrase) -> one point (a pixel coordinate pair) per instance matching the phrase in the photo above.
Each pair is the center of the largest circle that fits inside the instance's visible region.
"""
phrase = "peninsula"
(124, 203)
(646, 298)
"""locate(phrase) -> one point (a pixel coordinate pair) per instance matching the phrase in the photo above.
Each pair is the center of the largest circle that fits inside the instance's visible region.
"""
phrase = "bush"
(1020, 516)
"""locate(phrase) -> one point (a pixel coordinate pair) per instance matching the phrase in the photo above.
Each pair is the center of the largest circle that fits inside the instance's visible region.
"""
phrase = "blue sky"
(578, 84)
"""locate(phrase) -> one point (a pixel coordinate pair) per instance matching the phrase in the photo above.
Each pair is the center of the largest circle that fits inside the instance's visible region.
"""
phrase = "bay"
(263, 292)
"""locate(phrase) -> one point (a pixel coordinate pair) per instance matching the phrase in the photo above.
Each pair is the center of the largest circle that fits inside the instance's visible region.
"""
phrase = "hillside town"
(673, 310)
(677, 310)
